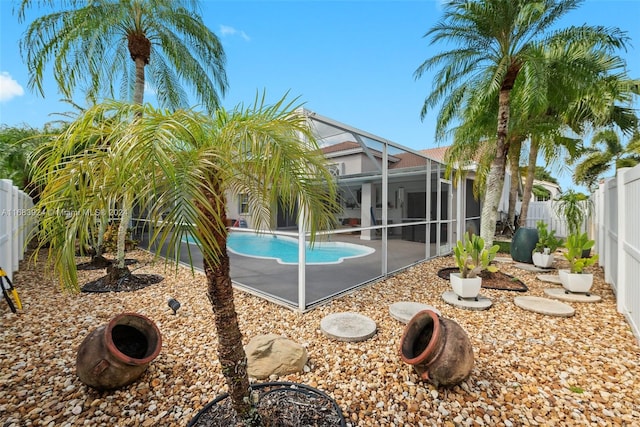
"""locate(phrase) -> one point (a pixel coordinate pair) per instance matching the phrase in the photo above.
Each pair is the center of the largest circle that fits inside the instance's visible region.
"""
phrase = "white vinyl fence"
(546, 211)
(617, 233)
(15, 219)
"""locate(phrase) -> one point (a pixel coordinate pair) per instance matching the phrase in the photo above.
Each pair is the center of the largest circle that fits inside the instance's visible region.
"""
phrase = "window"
(243, 207)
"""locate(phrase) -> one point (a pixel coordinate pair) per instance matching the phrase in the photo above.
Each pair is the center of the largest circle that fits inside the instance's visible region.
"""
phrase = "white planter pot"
(542, 260)
(563, 272)
(465, 288)
(578, 282)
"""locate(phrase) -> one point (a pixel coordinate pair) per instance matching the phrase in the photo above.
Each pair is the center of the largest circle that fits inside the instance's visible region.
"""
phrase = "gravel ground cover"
(530, 369)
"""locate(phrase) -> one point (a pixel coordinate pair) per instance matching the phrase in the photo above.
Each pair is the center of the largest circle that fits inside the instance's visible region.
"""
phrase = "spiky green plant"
(472, 257)
(576, 245)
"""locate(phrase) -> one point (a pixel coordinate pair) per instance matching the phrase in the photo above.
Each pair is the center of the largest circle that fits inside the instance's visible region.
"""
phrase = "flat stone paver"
(348, 326)
(551, 278)
(531, 267)
(405, 310)
(544, 306)
(561, 294)
(483, 302)
(503, 259)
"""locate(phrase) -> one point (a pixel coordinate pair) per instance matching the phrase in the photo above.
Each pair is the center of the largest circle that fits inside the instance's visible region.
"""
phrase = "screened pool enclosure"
(397, 208)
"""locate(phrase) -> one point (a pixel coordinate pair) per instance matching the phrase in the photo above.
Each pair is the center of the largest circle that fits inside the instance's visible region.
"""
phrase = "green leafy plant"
(576, 244)
(575, 207)
(546, 238)
(472, 257)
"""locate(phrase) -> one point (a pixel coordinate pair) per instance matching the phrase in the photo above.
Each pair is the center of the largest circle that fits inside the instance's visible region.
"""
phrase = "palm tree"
(595, 161)
(495, 42)
(104, 45)
(186, 164)
(110, 43)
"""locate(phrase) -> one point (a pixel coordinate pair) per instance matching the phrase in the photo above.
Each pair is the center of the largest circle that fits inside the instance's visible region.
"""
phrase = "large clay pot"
(438, 349)
(116, 354)
(523, 243)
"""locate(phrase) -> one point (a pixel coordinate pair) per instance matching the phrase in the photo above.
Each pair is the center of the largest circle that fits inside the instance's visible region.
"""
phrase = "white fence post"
(621, 285)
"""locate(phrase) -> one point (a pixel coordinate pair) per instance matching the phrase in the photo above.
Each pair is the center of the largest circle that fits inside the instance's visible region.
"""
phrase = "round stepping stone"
(551, 278)
(405, 310)
(531, 267)
(544, 306)
(483, 302)
(561, 294)
(503, 259)
(348, 326)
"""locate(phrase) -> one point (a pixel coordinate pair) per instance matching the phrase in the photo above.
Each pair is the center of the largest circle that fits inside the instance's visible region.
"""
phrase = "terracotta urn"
(116, 354)
(438, 349)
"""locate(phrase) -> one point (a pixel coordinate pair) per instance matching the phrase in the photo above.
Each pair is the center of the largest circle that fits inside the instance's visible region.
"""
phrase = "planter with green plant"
(547, 244)
(576, 279)
(471, 259)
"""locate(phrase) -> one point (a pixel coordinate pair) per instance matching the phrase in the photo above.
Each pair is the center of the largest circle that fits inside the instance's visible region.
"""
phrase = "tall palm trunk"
(514, 167)
(138, 94)
(528, 184)
(495, 178)
(220, 293)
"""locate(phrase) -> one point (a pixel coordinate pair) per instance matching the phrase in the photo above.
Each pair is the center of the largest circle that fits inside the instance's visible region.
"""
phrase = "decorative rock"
(348, 326)
(482, 302)
(561, 294)
(274, 355)
(544, 306)
(403, 311)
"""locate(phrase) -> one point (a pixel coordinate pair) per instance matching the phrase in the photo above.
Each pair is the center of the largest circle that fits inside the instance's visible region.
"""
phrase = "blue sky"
(352, 61)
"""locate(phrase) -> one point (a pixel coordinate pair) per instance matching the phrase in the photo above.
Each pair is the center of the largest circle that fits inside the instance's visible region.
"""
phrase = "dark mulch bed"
(279, 404)
(100, 263)
(132, 282)
(498, 280)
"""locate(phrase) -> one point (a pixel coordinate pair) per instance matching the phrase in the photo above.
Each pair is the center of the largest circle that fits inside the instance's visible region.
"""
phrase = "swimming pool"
(285, 249)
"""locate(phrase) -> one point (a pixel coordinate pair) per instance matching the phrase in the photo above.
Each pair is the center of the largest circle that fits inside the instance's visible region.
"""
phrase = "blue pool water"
(285, 249)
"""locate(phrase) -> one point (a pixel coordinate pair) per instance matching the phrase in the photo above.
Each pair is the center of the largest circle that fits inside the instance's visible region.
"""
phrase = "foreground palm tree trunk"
(495, 178)
(220, 293)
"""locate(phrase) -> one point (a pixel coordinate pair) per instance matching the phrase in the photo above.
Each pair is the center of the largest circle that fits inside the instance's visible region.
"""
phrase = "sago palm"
(492, 43)
(184, 165)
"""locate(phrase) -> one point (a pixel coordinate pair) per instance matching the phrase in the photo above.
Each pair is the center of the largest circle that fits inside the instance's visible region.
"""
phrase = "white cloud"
(148, 89)
(226, 30)
(9, 88)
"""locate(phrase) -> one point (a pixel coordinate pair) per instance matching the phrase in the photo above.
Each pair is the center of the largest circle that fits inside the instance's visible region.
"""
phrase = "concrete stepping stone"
(405, 310)
(551, 278)
(503, 259)
(531, 267)
(483, 302)
(544, 306)
(348, 326)
(561, 294)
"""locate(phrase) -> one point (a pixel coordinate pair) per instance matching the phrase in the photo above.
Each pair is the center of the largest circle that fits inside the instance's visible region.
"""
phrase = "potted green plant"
(471, 258)
(546, 246)
(575, 279)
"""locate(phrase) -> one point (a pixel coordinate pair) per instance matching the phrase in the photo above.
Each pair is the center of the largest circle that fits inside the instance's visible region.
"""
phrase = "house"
(382, 183)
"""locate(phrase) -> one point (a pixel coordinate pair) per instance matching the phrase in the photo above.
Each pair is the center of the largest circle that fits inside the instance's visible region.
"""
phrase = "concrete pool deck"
(279, 282)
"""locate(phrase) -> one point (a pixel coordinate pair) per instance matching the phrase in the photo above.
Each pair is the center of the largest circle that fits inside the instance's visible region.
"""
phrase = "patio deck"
(279, 283)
